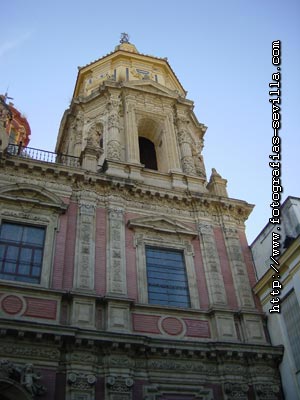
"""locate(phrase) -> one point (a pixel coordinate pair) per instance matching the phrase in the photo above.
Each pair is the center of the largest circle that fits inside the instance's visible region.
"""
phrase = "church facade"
(125, 272)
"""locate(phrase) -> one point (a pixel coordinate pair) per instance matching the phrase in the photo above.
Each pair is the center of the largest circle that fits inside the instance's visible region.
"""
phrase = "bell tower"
(130, 110)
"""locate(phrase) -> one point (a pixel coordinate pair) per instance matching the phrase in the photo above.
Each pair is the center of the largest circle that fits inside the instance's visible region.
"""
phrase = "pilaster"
(85, 244)
(116, 268)
(215, 283)
(238, 267)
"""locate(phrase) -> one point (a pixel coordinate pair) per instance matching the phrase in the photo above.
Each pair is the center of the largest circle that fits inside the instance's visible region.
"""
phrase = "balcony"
(44, 156)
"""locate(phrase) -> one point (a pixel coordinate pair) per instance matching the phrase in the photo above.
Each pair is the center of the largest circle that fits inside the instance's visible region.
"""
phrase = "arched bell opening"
(152, 149)
(147, 153)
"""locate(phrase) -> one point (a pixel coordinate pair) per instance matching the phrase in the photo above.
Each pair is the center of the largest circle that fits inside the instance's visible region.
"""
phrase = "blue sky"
(219, 50)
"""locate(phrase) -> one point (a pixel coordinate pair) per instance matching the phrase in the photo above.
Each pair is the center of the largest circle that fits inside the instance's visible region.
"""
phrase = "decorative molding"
(119, 387)
(81, 381)
(30, 352)
(236, 391)
(31, 196)
(266, 391)
(87, 208)
(205, 228)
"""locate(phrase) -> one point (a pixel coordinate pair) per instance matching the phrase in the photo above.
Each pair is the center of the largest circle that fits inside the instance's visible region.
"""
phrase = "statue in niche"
(77, 123)
(75, 134)
(95, 135)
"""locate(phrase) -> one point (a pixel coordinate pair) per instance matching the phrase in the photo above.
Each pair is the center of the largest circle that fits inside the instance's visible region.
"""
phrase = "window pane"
(25, 254)
(33, 235)
(166, 274)
(12, 253)
(36, 271)
(24, 269)
(37, 257)
(9, 267)
(11, 232)
(2, 249)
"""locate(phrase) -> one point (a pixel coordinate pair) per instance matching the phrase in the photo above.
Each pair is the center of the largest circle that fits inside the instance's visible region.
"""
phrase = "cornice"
(128, 188)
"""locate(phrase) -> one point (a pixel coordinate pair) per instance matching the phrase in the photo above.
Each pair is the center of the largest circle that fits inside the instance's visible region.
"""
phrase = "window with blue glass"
(166, 275)
(21, 252)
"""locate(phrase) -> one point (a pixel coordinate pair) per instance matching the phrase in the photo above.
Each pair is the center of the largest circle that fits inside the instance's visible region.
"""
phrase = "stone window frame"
(177, 237)
(45, 215)
(50, 228)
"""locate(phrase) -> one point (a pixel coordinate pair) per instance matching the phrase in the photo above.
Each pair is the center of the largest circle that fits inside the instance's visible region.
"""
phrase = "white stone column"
(187, 159)
(131, 134)
(212, 267)
(170, 138)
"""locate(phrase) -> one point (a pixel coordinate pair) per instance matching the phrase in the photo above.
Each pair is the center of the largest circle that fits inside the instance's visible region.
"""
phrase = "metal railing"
(42, 155)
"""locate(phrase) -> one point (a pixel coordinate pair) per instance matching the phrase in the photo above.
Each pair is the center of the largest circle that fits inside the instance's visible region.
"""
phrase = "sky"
(221, 51)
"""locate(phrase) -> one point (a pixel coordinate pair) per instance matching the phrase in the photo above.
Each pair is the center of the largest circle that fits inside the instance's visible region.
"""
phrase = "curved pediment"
(31, 194)
(161, 224)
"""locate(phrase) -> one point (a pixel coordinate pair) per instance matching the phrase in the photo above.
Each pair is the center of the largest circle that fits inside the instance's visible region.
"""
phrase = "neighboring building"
(125, 274)
(13, 123)
(284, 327)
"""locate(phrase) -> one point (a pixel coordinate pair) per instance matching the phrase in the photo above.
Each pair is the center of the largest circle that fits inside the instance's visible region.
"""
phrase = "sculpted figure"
(199, 164)
(95, 135)
(30, 381)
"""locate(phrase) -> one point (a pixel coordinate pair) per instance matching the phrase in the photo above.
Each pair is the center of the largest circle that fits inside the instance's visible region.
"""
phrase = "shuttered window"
(167, 280)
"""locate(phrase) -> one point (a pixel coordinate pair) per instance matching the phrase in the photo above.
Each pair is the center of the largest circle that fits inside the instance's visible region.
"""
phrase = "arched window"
(147, 153)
